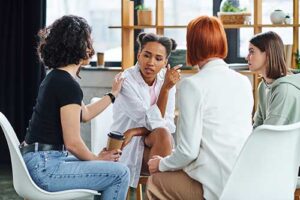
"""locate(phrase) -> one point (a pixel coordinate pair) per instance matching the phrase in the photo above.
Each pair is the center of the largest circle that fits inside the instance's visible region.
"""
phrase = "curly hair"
(66, 41)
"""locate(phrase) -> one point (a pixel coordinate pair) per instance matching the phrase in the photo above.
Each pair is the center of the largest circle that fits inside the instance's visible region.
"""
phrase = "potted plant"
(232, 13)
(144, 15)
(297, 59)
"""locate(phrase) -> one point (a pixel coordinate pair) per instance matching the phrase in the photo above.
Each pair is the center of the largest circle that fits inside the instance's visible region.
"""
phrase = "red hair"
(206, 38)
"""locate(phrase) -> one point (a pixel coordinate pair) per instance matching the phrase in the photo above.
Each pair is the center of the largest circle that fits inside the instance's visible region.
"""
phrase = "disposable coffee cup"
(100, 59)
(115, 140)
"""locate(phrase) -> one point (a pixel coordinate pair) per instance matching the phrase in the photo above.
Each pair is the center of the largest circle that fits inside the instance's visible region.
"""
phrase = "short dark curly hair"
(65, 42)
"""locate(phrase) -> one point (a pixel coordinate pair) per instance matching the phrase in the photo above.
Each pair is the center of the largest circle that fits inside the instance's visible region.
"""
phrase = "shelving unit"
(128, 26)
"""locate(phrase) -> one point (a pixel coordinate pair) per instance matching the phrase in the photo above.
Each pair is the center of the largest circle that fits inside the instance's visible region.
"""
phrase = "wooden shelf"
(127, 26)
(226, 26)
(150, 26)
(278, 25)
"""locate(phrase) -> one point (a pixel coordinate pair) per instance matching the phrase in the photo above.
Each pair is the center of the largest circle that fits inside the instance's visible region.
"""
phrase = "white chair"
(23, 184)
(100, 127)
(267, 166)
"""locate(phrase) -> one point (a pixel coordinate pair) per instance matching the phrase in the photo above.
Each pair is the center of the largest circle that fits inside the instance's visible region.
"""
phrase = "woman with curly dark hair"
(54, 128)
(144, 110)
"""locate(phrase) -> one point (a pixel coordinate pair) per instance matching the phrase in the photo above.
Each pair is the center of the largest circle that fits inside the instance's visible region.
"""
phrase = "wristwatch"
(111, 96)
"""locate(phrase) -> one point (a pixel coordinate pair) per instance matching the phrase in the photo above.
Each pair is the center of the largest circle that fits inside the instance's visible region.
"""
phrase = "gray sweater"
(279, 102)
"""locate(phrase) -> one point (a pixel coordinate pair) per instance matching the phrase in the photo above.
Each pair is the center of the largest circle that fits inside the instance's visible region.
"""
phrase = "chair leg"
(128, 194)
(297, 194)
(139, 192)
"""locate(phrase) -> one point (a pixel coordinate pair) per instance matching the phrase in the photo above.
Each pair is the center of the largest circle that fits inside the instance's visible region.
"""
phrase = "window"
(268, 6)
(180, 12)
(100, 15)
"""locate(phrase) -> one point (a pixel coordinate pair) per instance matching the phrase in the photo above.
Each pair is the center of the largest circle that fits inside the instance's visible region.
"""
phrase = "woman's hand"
(153, 164)
(112, 155)
(172, 76)
(117, 84)
(128, 136)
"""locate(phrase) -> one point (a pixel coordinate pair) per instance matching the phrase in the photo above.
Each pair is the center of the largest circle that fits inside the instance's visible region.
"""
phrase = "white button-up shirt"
(133, 109)
(215, 108)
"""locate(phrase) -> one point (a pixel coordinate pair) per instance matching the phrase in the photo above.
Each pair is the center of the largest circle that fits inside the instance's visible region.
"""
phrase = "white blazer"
(132, 109)
(215, 108)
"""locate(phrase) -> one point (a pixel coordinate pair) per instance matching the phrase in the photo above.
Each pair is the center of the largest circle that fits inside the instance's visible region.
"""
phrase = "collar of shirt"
(213, 64)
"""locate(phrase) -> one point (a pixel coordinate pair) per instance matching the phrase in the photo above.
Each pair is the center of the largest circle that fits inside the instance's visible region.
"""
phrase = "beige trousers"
(173, 186)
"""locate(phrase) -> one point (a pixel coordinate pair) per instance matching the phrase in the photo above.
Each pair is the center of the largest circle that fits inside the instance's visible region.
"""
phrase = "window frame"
(233, 39)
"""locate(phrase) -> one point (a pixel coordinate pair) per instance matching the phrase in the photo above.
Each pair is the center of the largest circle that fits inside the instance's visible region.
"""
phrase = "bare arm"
(171, 78)
(70, 121)
(162, 100)
(92, 110)
(140, 131)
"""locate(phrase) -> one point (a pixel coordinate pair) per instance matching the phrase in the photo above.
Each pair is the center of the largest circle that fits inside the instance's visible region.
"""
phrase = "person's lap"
(173, 185)
(54, 171)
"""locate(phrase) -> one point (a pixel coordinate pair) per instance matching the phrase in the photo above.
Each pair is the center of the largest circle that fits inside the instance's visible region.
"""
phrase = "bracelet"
(111, 96)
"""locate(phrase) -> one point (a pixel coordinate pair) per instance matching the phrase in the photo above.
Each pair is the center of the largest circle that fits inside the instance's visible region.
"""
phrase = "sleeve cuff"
(162, 166)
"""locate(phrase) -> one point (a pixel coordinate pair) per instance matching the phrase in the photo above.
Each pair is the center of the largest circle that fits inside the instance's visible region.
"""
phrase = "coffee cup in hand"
(115, 140)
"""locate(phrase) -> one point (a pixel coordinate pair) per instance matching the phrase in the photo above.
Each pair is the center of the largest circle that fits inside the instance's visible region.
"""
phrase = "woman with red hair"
(215, 121)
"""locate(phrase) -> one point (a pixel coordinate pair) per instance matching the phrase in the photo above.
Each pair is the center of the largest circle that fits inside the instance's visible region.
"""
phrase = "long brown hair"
(270, 43)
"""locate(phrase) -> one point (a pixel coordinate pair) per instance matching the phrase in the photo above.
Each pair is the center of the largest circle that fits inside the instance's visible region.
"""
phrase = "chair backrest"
(22, 181)
(100, 127)
(267, 166)
(23, 184)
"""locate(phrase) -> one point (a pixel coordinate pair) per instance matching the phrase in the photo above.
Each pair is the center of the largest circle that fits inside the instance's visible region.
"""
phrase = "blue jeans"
(56, 171)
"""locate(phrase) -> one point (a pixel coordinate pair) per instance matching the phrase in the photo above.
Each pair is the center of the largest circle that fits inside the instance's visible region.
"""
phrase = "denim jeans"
(56, 171)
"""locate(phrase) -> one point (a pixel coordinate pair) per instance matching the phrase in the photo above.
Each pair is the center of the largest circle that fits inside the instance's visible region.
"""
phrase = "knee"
(153, 183)
(154, 179)
(163, 135)
(124, 173)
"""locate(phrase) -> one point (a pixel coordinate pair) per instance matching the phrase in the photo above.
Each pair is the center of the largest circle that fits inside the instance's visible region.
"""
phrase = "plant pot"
(234, 17)
(144, 17)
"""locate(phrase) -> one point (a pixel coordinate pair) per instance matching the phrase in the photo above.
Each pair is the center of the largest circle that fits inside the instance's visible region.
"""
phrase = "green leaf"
(229, 7)
(141, 7)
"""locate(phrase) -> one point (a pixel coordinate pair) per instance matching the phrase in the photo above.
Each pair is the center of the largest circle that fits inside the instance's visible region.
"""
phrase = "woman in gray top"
(279, 92)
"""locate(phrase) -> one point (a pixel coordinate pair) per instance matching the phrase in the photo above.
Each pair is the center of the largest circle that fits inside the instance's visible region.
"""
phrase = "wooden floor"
(297, 194)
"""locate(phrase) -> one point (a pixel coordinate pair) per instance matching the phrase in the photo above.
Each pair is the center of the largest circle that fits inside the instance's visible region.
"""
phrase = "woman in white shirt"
(144, 109)
(215, 108)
